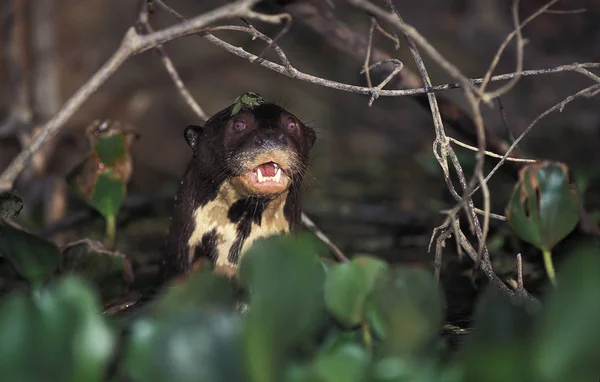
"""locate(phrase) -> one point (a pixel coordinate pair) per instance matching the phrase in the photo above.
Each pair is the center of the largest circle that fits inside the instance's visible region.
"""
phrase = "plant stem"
(367, 337)
(549, 266)
(111, 230)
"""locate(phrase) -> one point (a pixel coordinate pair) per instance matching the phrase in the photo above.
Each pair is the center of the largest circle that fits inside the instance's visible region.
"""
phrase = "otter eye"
(239, 126)
(292, 126)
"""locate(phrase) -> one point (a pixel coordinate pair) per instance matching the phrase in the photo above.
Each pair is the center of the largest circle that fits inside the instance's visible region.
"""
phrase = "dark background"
(374, 186)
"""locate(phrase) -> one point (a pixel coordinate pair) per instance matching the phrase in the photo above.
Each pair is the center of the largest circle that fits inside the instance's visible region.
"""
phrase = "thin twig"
(391, 36)
(478, 119)
(314, 229)
(489, 153)
(170, 67)
(297, 74)
(132, 44)
(398, 66)
(509, 38)
(511, 136)
(366, 66)
(282, 32)
(589, 74)
(520, 286)
(446, 150)
(410, 31)
(566, 11)
(587, 92)
(520, 50)
(284, 70)
(478, 211)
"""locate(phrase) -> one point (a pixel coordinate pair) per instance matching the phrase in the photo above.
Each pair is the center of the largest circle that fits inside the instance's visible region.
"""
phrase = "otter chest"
(223, 232)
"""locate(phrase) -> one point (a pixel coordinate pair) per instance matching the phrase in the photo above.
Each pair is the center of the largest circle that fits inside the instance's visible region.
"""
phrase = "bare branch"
(515, 32)
(566, 11)
(170, 67)
(314, 229)
(520, 48)
(411, 32)
(587, 93)
(491, 154)
(479, 212)
(366, 65)
(132, 44)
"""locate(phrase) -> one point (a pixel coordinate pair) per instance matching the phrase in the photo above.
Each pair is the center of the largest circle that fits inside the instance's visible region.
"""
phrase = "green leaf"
(544, 207)
(246, 101)
(90, 259)
(345, 363)
(58, 336)
(35, 258)
(405, 310)
(200, 345)
(102, 175)
(10, 205)
(338, 336)
(203, 289)
(499, 346)
(108, 195)
(567, 337)
(111, 149)
(300, 373)
(348, 286)
(285, 278)
(400, 369)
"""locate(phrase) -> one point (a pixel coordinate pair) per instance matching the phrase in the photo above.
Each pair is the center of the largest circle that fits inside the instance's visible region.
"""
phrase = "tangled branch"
(134, 43)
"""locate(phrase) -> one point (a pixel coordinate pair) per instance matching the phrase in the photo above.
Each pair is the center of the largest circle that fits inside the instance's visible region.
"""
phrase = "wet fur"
(211, 216)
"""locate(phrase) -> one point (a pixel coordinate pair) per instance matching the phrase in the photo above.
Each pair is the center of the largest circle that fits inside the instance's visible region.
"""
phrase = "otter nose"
(271, 138)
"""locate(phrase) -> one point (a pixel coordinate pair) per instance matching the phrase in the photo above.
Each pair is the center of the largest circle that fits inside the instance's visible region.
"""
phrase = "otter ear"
(192, 135)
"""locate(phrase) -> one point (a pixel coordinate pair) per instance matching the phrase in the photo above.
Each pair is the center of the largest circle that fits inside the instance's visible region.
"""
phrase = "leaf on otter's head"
(246, 101)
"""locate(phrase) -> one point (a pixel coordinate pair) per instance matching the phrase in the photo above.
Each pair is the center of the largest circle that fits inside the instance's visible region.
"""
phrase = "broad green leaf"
(285, 279)
(90, 259)
(544, 207)
(338, 336)
(199, 345)
(58, 336)
(35, 258)
(499, 346)
(567, 337)
(109, 193)
(347, 287)
(203, 289)
(344, 363)
(406, 368)
(10, 205)
(300, 373)
(405, 310)
(111, 149)
(102, 175)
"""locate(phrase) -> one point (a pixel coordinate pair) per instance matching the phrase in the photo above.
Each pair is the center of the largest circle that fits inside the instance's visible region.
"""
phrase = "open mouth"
(267, 178)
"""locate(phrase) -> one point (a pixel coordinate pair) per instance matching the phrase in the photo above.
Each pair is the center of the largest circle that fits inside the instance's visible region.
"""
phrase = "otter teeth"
(275, 178)
(260, 176)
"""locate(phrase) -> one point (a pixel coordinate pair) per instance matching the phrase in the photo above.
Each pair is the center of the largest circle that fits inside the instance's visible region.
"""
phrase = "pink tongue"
(268, 169)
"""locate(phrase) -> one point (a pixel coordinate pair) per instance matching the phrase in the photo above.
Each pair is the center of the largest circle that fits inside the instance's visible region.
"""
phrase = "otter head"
(258, 148)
